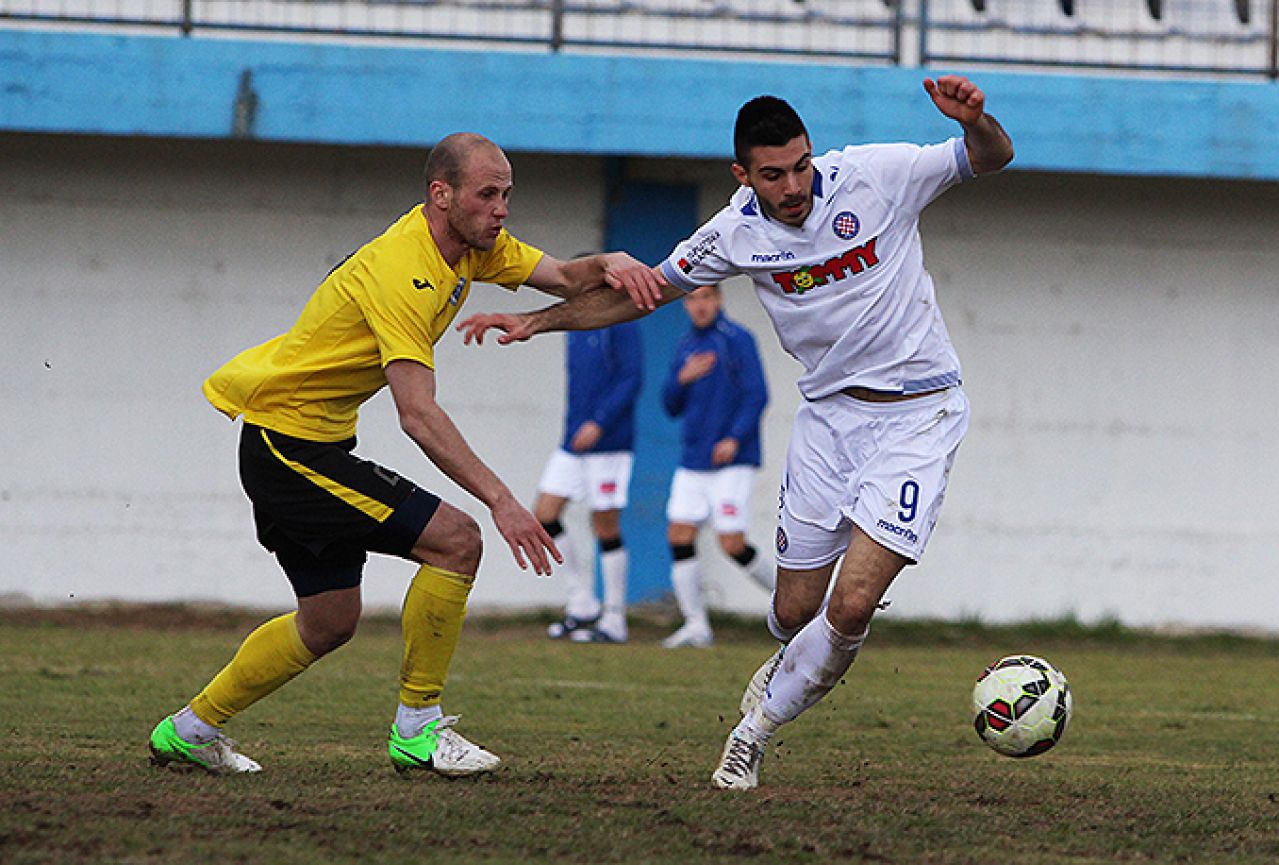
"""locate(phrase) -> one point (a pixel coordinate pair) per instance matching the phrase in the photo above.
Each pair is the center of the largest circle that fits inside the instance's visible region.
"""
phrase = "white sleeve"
(699, 260)
(911, 176)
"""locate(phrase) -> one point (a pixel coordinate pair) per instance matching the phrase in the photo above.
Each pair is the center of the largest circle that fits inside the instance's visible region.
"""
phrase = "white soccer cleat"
(218, 757)
(693, 636)
(440, 749)
(456, 755)
(739, 765)
(758, 685)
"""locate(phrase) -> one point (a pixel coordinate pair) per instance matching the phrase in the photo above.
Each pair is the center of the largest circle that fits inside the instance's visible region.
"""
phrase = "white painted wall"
(1119, 340)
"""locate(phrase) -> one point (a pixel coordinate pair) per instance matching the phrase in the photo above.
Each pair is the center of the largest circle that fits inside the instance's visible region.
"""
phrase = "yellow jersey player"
(374, 321)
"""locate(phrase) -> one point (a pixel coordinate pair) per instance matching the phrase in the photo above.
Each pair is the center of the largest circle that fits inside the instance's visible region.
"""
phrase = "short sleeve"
(398, 313)
(909, 175)
(700, 260)
(509, 263)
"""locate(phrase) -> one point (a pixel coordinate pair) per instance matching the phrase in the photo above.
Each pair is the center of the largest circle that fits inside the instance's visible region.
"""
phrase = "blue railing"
(1203, 37)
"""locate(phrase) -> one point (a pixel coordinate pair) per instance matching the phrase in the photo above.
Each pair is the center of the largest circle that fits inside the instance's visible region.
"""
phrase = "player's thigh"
(690, 497)
(607, 480)
(327, 620)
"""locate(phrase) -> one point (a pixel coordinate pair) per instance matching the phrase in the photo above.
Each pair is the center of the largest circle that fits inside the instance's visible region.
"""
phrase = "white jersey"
(847, 290)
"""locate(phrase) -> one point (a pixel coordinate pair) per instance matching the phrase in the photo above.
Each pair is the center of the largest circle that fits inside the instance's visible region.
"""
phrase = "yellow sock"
(270, 656)
(434, 609)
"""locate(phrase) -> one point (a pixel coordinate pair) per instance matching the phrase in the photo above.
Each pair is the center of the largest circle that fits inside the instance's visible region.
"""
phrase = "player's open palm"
(526, 537)
(957, 97)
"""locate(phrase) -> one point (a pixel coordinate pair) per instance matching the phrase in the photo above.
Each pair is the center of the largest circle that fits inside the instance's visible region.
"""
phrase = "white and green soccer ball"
(1021, 705)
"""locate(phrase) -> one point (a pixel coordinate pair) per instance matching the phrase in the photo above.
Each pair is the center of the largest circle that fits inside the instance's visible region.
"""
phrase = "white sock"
(192, 730)
(813, 664)
(582, 603)
(756, 727)
(763, 570)
(686, 580)
(410, 722)
(613, 565)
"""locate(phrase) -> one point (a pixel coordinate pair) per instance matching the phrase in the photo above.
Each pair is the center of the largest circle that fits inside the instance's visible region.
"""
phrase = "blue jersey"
(727, 402)
(605, 370)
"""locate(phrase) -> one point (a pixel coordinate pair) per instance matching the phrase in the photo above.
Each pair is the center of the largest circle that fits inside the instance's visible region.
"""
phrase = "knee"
(469, 546)
(793, 612)
(849, 614)
(733, 545)
(452, 541)
(329, 634)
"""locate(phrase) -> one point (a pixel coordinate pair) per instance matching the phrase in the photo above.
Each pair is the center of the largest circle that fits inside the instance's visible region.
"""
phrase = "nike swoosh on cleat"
(428, 762)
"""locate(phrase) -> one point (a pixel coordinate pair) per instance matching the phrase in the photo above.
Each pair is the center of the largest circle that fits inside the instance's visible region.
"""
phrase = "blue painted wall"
(64, 82)
(647, 220)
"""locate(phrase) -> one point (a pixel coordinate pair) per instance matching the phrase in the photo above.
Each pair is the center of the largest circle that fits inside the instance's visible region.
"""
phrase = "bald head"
(449, 159)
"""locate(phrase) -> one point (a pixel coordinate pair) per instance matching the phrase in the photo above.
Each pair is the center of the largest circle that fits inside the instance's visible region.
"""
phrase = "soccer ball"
(1021, 705)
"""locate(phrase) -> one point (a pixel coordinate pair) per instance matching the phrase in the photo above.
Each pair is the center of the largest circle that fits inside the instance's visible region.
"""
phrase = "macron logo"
(785, 255)
(898, 530)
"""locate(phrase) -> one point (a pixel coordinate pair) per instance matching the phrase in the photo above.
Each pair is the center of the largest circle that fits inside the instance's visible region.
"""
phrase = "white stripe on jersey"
(847, 291)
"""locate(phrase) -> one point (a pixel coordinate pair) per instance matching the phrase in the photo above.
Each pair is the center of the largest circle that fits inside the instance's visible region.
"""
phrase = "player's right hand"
(643, 284)
(697, 364)
(525, 536)
(515, 328)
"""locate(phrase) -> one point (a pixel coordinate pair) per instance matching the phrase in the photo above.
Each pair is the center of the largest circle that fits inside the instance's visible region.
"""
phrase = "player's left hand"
(525, 536)
(643, 284)
(957, 97)
(515, 328)
(725, 451)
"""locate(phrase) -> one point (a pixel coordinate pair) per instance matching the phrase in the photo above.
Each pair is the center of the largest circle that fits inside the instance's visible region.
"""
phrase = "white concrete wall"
(1119, 340)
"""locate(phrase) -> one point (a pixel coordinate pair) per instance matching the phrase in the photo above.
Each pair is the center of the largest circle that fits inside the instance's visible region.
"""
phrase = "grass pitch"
(1171, 756)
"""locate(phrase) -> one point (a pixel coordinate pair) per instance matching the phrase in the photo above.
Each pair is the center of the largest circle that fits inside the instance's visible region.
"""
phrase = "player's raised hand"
(643, 284)
(525, 536)
(696, 365)
(957, 97)
(515, 328)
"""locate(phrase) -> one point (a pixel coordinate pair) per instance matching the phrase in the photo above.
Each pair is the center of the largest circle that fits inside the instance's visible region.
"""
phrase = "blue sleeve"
(625, 376)
(674, 394)
(754, 389)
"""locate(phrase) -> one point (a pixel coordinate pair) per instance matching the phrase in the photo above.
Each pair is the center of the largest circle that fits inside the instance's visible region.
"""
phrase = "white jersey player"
(832, 246)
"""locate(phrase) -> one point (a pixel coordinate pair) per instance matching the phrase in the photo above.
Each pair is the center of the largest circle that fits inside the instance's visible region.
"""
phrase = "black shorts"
(321, 509)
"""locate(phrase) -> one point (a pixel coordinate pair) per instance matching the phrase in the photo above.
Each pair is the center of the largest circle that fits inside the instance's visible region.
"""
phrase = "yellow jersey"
(390, 300)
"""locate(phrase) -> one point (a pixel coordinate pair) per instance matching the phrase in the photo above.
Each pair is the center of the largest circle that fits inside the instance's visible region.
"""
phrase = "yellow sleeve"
(398, 308)
(509, 263)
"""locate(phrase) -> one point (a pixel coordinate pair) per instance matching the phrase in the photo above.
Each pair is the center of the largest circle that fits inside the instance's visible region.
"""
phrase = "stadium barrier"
(1161, 37)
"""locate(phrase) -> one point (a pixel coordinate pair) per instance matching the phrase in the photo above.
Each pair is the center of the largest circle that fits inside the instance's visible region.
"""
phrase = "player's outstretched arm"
(596, 308)
(989, 147)
(617, 270)
(422, 419)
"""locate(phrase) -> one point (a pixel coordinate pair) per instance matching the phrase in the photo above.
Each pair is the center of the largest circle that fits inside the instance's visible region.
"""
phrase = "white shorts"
(602, 481)
(881, 466)
(723, 495)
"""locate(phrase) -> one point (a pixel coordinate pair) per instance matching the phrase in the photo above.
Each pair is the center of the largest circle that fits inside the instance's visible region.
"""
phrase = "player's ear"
(740, 173)
(440, 194)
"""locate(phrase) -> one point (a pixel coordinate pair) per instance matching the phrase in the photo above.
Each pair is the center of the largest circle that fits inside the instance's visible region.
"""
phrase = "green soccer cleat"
(442, 750)
(218, 757)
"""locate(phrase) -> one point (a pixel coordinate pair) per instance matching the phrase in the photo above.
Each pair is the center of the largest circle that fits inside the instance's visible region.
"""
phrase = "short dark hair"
(765, 121)
(447, 160)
